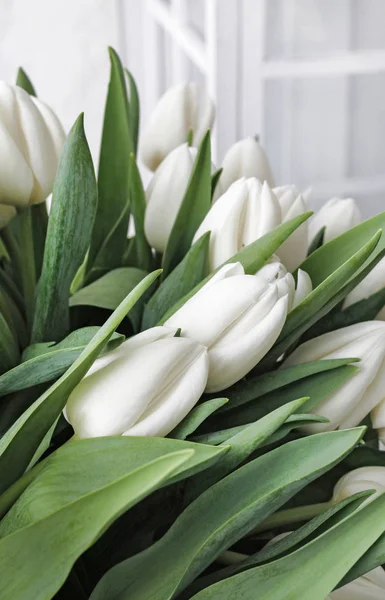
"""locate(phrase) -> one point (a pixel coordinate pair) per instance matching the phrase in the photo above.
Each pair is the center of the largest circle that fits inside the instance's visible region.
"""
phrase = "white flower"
(294, 250)
(337, 215)
(184, 108)
(144, 388)
(359, 480)
(240, 216)
(238, 317)
(356, 398)
(31, 139)
(245, 158)
(373, 282)
(165, 193)
(274, 270)
(370, 586)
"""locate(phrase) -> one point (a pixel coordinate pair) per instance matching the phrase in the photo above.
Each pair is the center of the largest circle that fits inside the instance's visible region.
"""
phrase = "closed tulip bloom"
(337, 215)
(31, 139)
(373, 282)
(294, 250)
(359, 480)
(144, 388)
(356, 398)
(275, 271)
(238, 317)
(245, 158)
(370, 586)
(240, 216)
(184, 108)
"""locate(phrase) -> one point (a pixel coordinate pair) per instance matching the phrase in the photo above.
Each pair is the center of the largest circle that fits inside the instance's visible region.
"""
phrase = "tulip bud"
(238, 317)
(359, 480)
(294, 250)
(370, 586)
(165, 193)
(337, 215)
(245, 158)
(240, 216)
(356, 398)
(179, 111)
(144, 388)
(31, 141)
(372, 283)
(274, 270)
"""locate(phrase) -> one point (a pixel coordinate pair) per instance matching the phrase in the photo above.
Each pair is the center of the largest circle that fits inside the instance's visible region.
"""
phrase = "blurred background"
(307, 76)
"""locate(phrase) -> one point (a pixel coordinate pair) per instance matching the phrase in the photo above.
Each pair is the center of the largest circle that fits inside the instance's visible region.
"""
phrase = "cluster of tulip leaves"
(154, 518)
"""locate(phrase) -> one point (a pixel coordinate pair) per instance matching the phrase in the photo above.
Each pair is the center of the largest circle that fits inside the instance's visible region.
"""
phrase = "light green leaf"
(36, 560)
(21, 441)
(113, 174)
(46, 362)
(134, 110)
(72, 214)
(196, 417)
(23, 81)
(222, 515)
(194, 207)
(143, 252)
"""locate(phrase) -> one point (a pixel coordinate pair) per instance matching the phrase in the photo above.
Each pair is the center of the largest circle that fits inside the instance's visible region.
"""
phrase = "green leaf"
(21, 441)
(314, 569)
(144, 258)
(57, 540)
(72, 213)
(253, 257)
(180, 282)
(327, 259)
(134, 110)
(194, 207)
(374, 557)
(215, 177)
(9, 352)
(113, 175)
(23, 81)
(317, 241)
(222, 515)
(196, 417)
(39, 218)
(81, 467)
(46, 362)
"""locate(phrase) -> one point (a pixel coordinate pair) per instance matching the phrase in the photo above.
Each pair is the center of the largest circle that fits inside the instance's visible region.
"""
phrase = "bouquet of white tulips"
(192, 376)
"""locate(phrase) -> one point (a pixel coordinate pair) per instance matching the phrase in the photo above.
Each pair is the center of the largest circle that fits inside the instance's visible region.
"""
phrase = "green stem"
(28, 271)
(231, 558)
(14, 253)
(292, 515)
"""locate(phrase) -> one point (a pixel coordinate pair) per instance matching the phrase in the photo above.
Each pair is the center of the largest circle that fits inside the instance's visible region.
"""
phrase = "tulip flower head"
(31, 142)
(244, 213)
(294, 250)
(245, 158)
(337, 215)
(184, 108)
(144, 388)
(360, 480)
(275, 271)
(372, 283)
(365, 390)
(238, 317)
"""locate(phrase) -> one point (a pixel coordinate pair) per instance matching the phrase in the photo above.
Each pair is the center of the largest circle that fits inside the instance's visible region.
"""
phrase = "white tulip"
(275, 271)
(238, 317)
(31, 139)
(359, 480)
(184, 108)
(337, 215)
(144, 388)
(240, 216)
(373, 282)
(356, 398)
(6, 214)
(294, 250)
(245, 158)
(370, 586)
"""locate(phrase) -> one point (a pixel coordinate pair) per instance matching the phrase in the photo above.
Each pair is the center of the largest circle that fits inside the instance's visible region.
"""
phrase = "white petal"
(53, 125)
(263, 212)
(245, 158)
(371, 284)
(337, 215)
(16, 179)
(358, 480)
(304, 287)
(294, 250)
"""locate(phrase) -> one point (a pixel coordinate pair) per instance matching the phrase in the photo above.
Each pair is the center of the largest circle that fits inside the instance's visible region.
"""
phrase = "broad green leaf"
(327, 259)
(36, 560)
(109, 290)
(315, 569)
(222, 515)
(9, 352)
(134, 110)
(113, 174)
(253, 257)
(143, 252)
(83, 466)
(194, 207)
(72, 214)
(23, 81)
(196, 417)
(189, 273)
(46, 362)
(317, 241)
(374, 557)
(21, 441)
